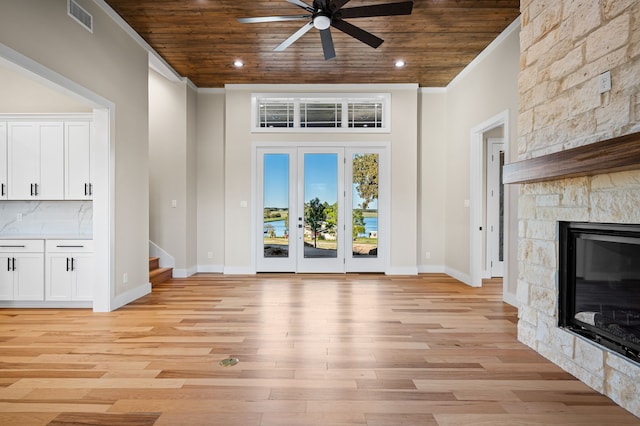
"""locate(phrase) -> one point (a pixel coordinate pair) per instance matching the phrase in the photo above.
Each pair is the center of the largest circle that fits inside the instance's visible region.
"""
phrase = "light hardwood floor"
(313, 350)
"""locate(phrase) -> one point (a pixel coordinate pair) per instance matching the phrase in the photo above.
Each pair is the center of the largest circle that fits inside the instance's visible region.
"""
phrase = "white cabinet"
(69, 265)
(77, 152)
(3, 161)
(22, 270)
(35, 160)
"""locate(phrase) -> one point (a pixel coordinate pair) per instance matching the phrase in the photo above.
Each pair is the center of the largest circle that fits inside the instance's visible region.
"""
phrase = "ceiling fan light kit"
(325, 14)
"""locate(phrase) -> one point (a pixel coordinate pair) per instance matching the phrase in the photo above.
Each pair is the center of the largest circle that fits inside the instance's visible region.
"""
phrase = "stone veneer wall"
(565, 46)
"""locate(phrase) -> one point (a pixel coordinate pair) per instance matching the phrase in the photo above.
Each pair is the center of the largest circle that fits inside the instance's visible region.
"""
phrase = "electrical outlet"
(174, 203)
(19, 217)
(209, 255)
(427, 255)
(125, 278)
(604, 82)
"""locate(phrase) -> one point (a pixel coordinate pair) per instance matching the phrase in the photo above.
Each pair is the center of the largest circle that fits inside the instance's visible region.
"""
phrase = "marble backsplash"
(53, 219)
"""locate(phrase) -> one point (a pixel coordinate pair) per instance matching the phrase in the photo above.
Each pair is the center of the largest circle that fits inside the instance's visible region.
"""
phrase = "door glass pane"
(320, 205)
(276, 205)
(365, 205)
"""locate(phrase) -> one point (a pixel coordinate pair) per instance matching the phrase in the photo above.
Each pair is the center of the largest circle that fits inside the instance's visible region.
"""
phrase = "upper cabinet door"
(3, 161)
(51, 185)
(36, 161)
(78, 184)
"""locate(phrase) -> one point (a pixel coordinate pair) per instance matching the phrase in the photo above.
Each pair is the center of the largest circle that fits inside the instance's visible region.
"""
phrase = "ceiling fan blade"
(259, 19)
(295, 36)
(327, 44)
(387, 9)
(355, 32)
(337, 4)
(301, 4)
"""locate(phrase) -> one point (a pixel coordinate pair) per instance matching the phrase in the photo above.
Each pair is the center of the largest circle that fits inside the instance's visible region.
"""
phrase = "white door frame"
(103, 157)
(477, 270)
(384, 220)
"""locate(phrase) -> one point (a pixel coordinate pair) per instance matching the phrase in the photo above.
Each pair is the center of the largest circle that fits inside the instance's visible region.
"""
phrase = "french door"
(321, 209)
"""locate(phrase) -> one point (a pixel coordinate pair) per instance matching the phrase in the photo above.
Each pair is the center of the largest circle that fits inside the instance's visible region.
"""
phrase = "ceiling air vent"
(78, 13)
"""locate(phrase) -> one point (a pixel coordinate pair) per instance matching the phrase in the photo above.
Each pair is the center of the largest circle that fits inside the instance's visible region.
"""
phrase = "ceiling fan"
(330, 13)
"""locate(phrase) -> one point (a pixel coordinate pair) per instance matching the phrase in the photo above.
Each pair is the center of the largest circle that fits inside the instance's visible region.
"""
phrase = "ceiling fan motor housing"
(322, 20)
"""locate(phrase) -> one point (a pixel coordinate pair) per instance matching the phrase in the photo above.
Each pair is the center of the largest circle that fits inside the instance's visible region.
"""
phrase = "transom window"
(364, 113)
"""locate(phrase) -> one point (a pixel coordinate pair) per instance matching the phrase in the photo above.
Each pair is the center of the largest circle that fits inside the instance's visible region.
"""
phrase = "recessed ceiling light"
(400, 63)
(238, 63)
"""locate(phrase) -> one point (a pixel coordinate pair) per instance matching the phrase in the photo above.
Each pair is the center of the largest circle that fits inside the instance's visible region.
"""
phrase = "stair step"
(154, 263)
(160, 275)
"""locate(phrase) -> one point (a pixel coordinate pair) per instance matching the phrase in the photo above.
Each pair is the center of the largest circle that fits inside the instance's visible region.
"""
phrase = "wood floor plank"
(360, 349)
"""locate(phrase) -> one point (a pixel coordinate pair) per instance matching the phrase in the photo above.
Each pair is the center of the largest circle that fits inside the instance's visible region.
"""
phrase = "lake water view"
(370, 224)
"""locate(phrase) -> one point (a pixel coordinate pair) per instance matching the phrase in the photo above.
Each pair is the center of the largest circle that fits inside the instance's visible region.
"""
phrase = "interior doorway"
(494, 207)
(321, 209)
(480, 247)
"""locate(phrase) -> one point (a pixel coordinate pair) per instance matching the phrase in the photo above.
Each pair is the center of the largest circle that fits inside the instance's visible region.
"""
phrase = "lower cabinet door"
(29, 276)
(6, 278)
(82, 285)
(69, 276)
(59, 277)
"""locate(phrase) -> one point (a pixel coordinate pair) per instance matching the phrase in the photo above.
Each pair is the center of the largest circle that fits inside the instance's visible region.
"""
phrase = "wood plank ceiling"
(201, 39)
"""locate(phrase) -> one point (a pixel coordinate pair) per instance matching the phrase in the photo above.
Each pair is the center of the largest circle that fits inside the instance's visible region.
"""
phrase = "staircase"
(157, 274)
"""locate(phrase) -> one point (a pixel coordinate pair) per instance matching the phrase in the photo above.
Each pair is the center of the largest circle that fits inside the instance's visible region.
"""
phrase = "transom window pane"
(365, 114)
(276, 114)
(358, 113)
(320, 114)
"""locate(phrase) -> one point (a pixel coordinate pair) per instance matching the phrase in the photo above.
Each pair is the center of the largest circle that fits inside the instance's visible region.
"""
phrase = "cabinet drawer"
(69, 246)
(21, 246)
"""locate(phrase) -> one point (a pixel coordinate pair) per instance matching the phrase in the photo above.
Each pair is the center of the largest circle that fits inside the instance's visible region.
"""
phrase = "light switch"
(174, 203)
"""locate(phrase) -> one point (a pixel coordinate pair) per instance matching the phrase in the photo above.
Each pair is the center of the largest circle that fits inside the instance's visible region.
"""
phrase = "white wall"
(238, 162)
(482, 91)
(432, 190)
(210, 180)
(172, 171)
(21, 95)
(110, 64)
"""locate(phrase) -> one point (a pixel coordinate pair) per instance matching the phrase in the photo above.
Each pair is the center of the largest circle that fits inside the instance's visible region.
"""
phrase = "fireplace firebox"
(599, 281)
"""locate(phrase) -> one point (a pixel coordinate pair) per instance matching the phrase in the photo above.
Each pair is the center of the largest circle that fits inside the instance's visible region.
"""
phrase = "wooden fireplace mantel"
(612, 155)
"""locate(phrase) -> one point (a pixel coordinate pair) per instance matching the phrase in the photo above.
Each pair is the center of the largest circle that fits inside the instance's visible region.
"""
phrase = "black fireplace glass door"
(602, 283)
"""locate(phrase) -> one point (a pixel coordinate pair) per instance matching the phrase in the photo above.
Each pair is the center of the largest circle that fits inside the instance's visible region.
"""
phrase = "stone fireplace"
(565, 47)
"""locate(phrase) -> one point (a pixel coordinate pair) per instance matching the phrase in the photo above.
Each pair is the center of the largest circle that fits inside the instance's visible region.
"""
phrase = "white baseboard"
(49, 304)
(431, 269)
(460, 276)
(511, 299)
(211, 269)
(184, 273)
(408, 270)
(130, 295)
(238, 270)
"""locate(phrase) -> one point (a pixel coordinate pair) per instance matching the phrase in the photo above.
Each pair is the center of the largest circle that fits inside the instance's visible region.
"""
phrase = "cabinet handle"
(67, 264)
(69, 246)
(3, 193)
(90, 189)
(86, 189)
(12, 246)
(8, 263)
(36, 185)
(32, 190)
(13, 263)
(72, 265)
